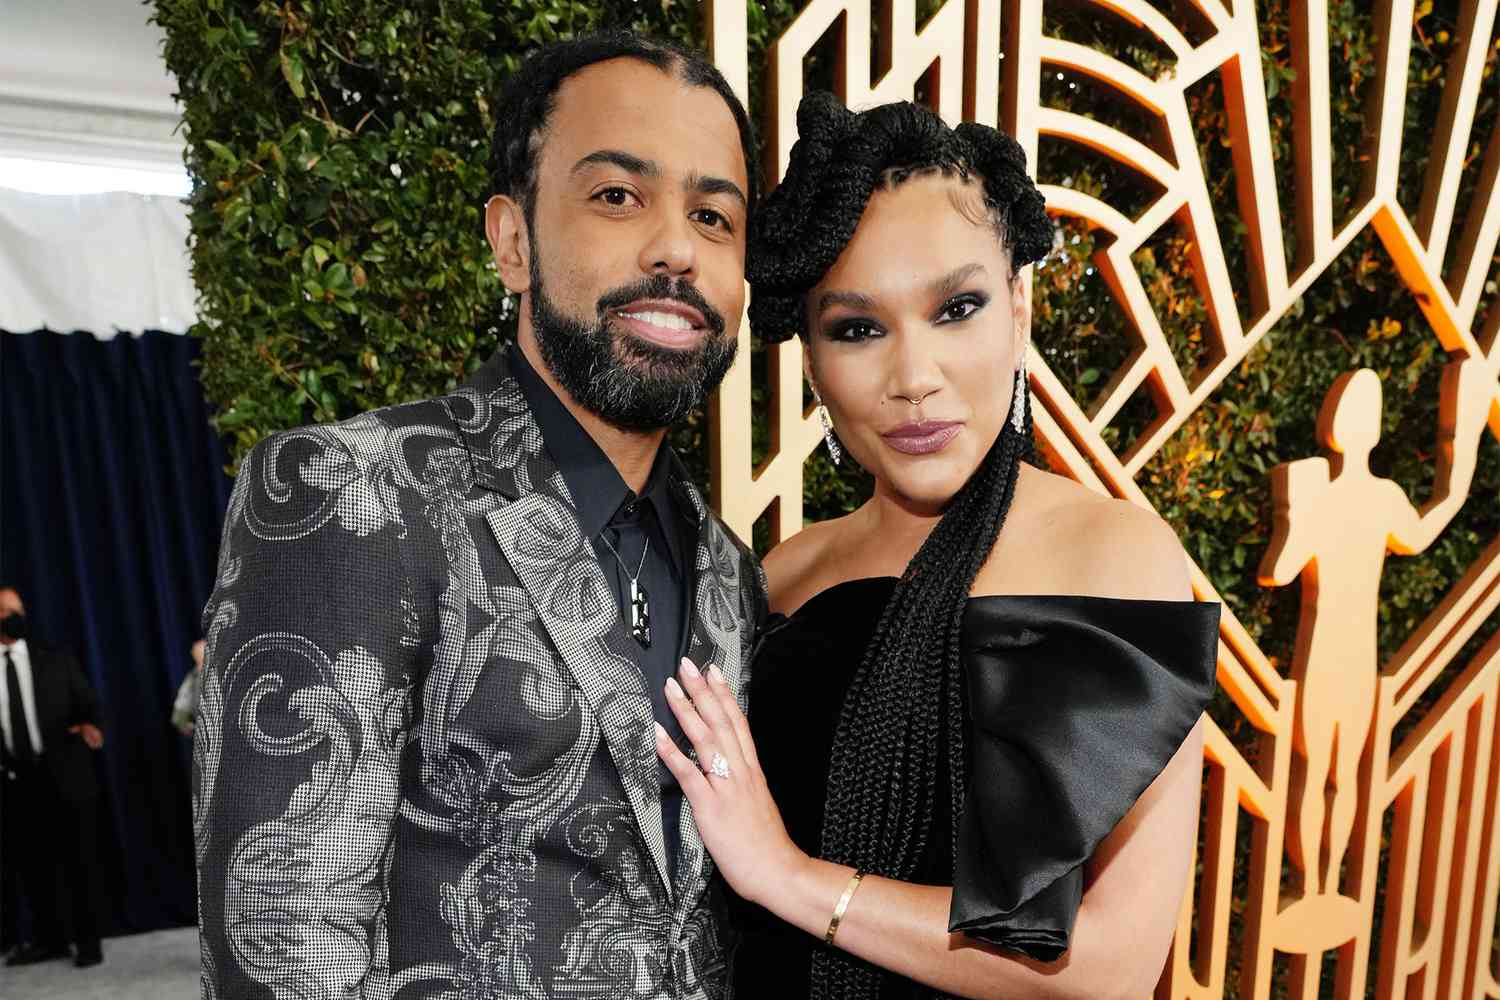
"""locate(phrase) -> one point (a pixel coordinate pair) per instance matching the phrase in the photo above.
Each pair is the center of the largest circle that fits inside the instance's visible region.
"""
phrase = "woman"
(981, 792)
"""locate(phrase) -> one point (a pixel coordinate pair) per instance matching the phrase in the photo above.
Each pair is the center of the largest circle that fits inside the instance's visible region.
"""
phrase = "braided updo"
(905, 711)
(842, 157)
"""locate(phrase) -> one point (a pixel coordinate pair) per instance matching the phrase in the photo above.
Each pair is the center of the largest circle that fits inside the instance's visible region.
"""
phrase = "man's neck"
(632, 453)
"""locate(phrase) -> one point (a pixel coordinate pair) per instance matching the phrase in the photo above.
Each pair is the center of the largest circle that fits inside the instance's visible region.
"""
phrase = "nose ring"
(918, 400)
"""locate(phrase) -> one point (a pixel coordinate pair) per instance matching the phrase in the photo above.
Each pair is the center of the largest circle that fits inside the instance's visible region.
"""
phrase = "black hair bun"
(1001, 162)
(839, 159)
(815, 209)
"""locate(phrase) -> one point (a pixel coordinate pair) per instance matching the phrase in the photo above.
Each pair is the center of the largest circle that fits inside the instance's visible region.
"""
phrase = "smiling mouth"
(669, 327)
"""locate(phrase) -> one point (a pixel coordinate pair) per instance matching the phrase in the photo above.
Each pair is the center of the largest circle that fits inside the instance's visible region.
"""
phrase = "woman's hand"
(739, 822)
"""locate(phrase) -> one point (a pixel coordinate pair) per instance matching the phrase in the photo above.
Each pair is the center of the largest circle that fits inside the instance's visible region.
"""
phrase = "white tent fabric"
(101, 263)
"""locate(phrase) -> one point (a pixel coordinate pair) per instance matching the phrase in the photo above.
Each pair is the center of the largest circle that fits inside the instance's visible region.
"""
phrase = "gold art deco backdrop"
(1372, 863)
(1271, 316)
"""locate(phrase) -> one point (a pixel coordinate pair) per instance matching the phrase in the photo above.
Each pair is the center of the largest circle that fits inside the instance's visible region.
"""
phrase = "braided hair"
(906, 701)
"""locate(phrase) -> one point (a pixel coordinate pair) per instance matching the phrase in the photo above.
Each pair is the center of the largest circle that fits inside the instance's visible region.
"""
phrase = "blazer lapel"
(715, 636)
(539, 534)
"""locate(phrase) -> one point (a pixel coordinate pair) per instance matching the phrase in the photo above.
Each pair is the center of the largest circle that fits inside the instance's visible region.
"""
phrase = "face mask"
(14, 626)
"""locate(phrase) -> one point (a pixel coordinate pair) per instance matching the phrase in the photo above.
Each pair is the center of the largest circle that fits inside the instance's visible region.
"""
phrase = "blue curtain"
(112, 495)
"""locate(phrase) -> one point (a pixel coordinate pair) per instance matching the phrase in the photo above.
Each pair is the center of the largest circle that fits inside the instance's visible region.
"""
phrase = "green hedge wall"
(338, 153)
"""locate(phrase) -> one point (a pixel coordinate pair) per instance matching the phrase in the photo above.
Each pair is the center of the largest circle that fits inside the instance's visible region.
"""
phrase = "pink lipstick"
(922, 437)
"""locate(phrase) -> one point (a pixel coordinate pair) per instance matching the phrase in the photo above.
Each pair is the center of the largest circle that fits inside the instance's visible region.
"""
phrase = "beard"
(624, 380)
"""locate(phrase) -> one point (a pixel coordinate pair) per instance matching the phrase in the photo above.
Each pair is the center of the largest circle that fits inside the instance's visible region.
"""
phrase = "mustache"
(659, 286)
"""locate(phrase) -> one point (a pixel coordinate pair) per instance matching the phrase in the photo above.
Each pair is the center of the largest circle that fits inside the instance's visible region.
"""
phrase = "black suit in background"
(50, 809)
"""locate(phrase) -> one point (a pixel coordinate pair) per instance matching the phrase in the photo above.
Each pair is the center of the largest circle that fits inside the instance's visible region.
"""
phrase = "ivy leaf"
(235, 215)
(291, 68)
(337, 280)
(223, 153)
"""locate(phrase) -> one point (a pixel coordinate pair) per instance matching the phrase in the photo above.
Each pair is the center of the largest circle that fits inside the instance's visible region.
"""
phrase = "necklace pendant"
(640, 614)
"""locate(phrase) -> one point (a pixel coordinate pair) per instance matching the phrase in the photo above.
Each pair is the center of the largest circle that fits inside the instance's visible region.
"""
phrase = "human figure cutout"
(1334, 522)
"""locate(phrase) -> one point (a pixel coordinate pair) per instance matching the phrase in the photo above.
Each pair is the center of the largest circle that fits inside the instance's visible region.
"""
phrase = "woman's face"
(919, 306)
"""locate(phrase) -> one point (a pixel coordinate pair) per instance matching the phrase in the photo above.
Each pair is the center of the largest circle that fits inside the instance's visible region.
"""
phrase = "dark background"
(112, 495)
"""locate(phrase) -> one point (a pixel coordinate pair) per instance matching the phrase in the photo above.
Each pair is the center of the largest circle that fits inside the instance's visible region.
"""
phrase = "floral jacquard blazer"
(424, 764)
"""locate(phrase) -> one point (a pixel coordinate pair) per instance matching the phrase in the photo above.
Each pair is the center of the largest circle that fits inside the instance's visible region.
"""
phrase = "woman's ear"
(510, 241)
(1020, 310)
(807, 371)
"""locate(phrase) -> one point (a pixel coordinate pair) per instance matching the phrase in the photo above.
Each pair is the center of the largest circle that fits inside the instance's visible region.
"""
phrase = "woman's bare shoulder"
(794, 568)
(1062, 537)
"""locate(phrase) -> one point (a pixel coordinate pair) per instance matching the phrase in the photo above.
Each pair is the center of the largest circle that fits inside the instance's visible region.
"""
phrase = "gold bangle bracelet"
(838, 911)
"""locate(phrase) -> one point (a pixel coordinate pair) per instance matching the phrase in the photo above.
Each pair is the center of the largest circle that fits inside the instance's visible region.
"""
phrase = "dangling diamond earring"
(834, 451)
(1018, 399)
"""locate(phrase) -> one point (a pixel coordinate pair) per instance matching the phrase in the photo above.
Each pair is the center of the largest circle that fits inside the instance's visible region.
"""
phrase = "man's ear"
(510, 241)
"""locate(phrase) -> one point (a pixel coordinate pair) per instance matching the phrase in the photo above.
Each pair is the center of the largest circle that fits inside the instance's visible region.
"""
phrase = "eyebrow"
(650, 168)
(950, 282)
(940, 288)
(619, 158)
(717, 185)
(854, 300)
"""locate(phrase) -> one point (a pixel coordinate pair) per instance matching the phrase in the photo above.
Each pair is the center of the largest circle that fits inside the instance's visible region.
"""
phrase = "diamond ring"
(718, 766)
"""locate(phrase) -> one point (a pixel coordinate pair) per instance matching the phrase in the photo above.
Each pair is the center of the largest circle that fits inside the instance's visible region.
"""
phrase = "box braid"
(907, 698)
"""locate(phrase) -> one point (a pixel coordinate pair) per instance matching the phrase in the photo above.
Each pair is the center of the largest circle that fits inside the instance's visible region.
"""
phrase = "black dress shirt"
(651, 531)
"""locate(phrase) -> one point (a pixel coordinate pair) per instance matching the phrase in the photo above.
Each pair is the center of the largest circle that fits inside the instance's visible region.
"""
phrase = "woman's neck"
(900, 525)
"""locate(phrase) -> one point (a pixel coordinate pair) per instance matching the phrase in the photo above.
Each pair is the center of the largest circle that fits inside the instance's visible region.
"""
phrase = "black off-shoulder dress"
(1077, 704)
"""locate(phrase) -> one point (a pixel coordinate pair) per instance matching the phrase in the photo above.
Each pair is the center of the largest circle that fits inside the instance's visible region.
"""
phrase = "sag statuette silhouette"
(1334, 522)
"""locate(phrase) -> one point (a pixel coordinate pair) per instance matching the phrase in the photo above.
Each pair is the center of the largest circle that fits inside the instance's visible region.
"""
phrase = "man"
(425, 759)
(49, 720)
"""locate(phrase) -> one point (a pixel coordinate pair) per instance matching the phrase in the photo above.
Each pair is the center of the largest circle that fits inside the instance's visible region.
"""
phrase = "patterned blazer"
(424, 764)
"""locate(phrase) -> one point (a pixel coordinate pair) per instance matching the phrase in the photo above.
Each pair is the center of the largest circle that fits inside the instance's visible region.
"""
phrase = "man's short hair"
(529, 96)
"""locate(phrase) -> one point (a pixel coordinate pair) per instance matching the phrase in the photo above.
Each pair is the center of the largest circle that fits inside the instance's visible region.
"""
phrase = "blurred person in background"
(185, 705)
(49, 715)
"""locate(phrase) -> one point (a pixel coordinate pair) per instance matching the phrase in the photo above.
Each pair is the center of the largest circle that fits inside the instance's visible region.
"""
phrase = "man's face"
(637, 243)
(10, 604)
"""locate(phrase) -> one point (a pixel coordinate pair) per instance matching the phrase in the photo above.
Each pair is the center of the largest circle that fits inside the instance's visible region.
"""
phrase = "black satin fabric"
(1076, 705)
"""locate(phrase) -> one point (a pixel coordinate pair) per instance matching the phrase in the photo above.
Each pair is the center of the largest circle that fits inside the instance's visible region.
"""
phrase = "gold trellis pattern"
(1311, 803)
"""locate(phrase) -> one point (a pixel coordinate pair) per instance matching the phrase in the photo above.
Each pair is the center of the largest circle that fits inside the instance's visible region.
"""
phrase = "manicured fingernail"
(661, 734)
(674, 688)
(688, 668)
(715, 672)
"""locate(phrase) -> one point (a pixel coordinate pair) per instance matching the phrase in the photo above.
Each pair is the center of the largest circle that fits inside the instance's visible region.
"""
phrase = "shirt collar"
(17, 651)
(596, 485)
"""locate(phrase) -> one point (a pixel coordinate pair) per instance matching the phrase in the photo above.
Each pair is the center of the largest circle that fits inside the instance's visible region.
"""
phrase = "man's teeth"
(669, 321)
